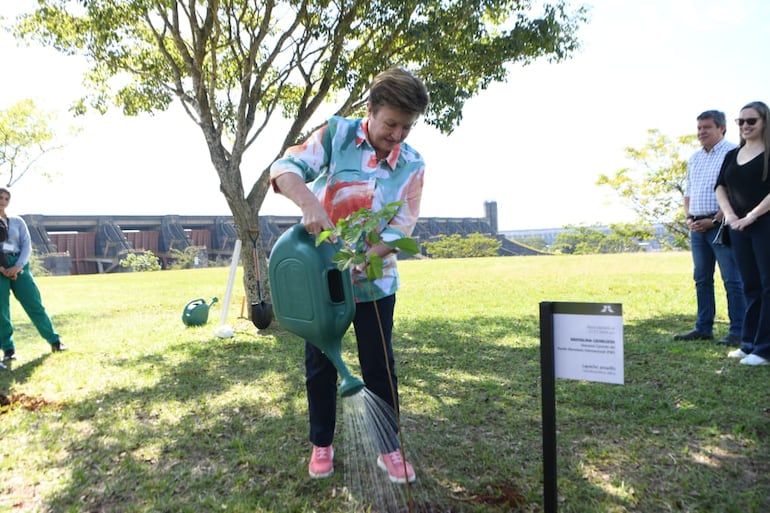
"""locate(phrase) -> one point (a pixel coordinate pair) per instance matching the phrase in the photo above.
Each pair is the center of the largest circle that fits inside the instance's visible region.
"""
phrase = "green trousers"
(26, 292)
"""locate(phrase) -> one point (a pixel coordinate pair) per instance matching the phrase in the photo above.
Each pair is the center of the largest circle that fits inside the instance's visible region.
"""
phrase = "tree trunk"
(245, 213)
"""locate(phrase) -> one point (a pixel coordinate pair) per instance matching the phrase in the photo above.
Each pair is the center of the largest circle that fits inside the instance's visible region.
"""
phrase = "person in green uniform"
(16, 277)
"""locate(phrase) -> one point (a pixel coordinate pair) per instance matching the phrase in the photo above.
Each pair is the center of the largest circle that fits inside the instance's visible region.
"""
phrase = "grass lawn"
(146, 415)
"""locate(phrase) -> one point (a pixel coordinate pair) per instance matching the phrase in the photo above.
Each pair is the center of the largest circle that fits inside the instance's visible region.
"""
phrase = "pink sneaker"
(321, 462)
(397, 469)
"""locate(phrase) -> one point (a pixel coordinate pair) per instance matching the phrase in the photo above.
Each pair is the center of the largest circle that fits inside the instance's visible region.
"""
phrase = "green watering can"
(196, 312)
(312, 298)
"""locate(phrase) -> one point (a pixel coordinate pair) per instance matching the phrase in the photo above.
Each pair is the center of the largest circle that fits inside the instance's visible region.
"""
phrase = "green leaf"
(351, 236)
(406, 244)
(342, 260)
(374, 267)
(323, 236)
(374, 238)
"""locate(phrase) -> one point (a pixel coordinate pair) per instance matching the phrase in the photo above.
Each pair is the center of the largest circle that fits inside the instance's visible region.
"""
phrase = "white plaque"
(588, 341)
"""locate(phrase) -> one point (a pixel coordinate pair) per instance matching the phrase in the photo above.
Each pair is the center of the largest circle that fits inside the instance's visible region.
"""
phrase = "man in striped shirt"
(703, 220)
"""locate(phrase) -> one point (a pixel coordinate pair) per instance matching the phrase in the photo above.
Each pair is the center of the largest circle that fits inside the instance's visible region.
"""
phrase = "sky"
(535, 144)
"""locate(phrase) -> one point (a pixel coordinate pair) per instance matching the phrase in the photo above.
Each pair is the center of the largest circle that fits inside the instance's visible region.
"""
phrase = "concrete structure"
(96, 244)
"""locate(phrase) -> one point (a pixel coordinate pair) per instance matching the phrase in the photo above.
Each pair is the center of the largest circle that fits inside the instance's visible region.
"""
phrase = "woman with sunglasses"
(743, 192)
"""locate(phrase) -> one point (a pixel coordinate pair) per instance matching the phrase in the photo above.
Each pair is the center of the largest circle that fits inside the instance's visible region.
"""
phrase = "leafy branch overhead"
(233, 64)
(360, 231)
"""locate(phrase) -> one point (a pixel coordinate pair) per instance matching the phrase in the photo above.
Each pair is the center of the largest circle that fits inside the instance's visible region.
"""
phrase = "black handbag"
(3, 238)
(722, 238)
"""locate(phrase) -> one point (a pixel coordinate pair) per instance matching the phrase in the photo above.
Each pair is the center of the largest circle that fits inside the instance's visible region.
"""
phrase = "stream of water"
(369, 425)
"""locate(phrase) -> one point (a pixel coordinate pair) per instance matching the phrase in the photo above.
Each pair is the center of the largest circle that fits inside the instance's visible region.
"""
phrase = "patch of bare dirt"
(25, 401)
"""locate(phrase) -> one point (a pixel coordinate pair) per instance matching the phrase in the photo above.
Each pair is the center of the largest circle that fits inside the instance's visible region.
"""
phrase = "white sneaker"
(737, 353)
(754, 359)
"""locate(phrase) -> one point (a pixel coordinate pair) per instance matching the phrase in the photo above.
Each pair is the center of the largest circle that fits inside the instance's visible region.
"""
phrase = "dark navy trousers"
(752, 253)
(705, 256)
(377, 370)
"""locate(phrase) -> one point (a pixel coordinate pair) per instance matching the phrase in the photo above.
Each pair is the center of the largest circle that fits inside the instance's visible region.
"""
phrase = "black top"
(745, 188)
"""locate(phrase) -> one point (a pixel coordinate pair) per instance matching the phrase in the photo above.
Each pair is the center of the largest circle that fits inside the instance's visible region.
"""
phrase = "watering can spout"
(350, 384)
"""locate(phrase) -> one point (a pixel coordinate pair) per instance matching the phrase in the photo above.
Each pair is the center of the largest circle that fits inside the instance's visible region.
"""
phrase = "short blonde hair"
(400, 89)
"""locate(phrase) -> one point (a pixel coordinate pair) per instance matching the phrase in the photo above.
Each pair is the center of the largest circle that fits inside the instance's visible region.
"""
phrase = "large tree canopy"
(235, 65)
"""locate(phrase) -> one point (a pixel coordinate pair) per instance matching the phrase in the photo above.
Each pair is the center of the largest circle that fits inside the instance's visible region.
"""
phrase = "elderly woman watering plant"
(354, 164)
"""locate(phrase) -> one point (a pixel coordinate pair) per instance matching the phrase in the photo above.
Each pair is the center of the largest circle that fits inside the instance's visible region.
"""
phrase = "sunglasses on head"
(748, 121)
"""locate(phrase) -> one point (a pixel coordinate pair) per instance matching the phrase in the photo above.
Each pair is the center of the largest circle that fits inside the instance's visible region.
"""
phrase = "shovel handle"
(254, 235)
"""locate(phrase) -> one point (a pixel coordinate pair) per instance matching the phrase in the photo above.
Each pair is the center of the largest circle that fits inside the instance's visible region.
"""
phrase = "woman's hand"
(315, 219)
(12, 272)
(741, 224)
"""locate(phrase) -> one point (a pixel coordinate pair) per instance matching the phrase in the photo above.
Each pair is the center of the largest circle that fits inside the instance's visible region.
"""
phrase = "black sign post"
(589, 347)
(548, 401)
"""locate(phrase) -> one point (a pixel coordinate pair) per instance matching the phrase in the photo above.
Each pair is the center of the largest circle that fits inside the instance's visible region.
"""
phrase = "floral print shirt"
(346, 176)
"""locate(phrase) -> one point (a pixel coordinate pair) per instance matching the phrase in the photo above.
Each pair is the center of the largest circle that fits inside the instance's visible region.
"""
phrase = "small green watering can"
(312, 298)
(196, 312)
